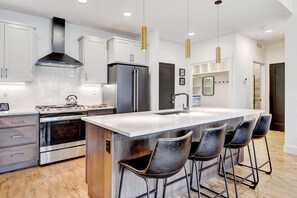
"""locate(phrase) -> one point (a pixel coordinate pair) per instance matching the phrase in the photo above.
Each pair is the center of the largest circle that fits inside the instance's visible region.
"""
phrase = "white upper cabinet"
(17, 56)
(93, 54)
(122, 50)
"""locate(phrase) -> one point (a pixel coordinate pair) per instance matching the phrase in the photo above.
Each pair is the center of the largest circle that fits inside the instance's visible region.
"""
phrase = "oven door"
(61, 132)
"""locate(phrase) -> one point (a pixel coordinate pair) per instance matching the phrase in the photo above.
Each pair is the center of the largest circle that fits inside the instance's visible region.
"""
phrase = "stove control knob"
(47, 109)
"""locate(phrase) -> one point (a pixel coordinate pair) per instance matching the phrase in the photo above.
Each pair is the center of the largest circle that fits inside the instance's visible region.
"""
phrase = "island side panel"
(125, 148)
(98, 162)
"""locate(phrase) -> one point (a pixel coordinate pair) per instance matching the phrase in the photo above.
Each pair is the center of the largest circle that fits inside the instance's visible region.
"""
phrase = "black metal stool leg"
(225, 177)
(269, 160)
(234, 175)
(256, 163)
(156, 192)
(186, 174)
(192, 172)
(147, 187)
(121, 181)
(198, 180)
(164, 187)
(252, 167)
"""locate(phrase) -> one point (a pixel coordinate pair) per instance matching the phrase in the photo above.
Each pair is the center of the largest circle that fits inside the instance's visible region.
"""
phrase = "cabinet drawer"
(100, 112)
(18, 154)
(15, 121)
(18, 136)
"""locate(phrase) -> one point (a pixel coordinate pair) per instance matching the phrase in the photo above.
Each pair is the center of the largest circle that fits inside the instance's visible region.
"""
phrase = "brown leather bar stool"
(167, 159)
(260, 131)
(208, 148)
(238, 139)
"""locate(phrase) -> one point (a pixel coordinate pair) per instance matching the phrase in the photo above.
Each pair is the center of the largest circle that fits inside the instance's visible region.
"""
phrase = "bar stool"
(260, 131)
(208, 148)
(167, 159)
(238, 139)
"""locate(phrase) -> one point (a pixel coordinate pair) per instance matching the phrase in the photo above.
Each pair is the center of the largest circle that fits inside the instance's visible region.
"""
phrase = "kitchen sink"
(169, 113)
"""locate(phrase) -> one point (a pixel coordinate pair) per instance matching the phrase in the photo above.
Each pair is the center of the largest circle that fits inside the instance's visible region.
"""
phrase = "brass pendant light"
(188, 40)
(218, 49)
(143, 31)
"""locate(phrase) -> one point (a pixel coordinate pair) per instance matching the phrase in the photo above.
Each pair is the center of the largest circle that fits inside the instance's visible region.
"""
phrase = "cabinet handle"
(130, 58)
(1, 72)
(17, 136)
(6, 73)
(133, 57)
(17, 155)
(86, 76)
(17, 122)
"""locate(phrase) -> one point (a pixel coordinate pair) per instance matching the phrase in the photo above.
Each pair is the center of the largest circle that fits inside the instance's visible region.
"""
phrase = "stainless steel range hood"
(58, 58)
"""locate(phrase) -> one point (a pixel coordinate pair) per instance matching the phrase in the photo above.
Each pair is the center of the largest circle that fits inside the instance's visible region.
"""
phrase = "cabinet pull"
(17, 122)
(86, 77)
(132, 57)
(17, 155)
(17, 136)
(1, 72)
(6, 73)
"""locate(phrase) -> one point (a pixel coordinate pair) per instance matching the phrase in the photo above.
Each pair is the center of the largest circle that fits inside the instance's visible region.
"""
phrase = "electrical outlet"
(107, 144)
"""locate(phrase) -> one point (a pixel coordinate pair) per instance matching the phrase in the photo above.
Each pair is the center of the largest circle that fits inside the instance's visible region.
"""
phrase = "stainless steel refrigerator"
(128, 88)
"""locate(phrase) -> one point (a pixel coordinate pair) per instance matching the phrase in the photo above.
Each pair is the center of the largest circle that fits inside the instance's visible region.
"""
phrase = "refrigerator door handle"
(134, 89)
(137, 89)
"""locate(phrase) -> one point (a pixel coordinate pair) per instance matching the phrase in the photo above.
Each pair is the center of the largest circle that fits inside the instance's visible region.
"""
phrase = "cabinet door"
(19, 42)
(138, 55)
(123, 51)
(95, 62)
(1, 50)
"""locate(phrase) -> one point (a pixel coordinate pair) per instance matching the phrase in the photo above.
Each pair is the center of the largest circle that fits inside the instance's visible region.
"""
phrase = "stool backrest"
(262, 126)
(211, 143)
(243, 133)
(169, 155)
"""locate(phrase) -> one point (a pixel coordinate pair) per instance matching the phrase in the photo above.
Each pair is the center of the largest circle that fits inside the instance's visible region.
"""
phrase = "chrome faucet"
(186, 109)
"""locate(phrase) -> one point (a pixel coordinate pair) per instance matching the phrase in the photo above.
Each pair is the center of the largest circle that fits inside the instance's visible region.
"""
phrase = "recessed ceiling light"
(127, 13)
(191, 33)
(83, 1)
(268, 31)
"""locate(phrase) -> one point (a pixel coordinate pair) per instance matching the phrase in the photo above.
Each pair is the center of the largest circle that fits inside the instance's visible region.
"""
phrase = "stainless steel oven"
(62, 136)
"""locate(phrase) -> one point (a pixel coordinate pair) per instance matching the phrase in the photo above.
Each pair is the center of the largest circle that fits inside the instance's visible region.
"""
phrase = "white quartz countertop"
(15, 112)
(144, 123)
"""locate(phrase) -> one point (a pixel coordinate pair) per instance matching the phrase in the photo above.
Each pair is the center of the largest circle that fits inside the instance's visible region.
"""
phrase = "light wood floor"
(67, 179)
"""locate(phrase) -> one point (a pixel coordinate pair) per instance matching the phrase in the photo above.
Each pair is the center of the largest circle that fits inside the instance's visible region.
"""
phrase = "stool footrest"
(209, 189)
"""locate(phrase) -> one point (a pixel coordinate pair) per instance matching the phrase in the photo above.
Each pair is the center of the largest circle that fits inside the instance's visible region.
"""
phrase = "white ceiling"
(250, 17)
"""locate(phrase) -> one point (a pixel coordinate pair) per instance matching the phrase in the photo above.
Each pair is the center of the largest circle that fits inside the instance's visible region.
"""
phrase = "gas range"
(50, 109)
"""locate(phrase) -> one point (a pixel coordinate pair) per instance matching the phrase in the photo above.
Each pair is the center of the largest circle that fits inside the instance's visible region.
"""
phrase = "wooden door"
(277, 96)
(166, 85)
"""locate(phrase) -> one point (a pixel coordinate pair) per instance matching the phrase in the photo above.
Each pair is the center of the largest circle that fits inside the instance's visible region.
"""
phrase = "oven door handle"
(62, 118)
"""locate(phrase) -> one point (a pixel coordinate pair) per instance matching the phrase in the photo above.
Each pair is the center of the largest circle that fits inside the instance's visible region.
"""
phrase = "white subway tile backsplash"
(50, 86)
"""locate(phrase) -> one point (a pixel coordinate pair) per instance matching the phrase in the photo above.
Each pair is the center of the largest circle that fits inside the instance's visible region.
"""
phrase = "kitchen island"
(112, 138)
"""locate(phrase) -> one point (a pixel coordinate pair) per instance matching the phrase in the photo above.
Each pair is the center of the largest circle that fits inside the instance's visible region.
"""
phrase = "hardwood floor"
(67, 179)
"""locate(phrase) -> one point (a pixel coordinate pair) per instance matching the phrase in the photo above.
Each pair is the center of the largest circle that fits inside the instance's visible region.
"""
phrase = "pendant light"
(218, 49)
(188, 41)
(143, 30)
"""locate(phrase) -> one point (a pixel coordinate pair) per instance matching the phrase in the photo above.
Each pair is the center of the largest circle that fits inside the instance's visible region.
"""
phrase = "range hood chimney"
(58, 58)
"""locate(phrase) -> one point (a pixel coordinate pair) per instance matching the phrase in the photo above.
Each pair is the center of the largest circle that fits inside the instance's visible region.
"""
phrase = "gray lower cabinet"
(18, 142)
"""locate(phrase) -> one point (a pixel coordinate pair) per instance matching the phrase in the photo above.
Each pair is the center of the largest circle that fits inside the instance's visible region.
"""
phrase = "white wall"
(246, 53)
(241, 51)
(290, 83)
(275, 53)
(51, 85)
(174, 53)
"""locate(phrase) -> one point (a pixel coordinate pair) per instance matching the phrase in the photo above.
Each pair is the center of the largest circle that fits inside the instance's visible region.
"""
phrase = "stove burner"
(48, 108)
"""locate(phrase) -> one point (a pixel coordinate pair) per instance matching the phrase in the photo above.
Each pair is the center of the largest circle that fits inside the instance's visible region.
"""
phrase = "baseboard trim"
(290, 149)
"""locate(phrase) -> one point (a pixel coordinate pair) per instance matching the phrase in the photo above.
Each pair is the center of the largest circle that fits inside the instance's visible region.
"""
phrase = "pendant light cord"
(143, 7)
(188, 18)
(218, 25)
